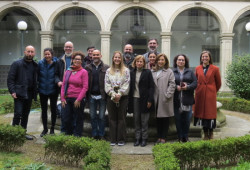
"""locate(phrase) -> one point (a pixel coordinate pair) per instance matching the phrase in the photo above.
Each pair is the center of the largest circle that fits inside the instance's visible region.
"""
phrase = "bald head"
(96, 56)
(128, 48)
(29, 53)
(68, 48)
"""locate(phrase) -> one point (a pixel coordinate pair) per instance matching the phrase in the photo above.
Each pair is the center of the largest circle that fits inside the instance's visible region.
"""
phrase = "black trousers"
(44, 105)
(162, 127)
(117, 119)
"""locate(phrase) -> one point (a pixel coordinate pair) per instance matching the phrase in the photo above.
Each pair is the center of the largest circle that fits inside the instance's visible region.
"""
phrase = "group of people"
(142, 85)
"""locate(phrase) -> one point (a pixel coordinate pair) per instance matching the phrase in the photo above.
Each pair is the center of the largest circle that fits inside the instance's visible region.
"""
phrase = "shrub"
(36, 166)
(70, 150)
(200, 154)
(4, 91)
(11, 137)
(237, 76)
(235, 104)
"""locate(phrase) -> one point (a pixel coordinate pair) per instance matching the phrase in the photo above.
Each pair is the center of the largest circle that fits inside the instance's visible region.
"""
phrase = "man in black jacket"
(22, 86)
(96, 94)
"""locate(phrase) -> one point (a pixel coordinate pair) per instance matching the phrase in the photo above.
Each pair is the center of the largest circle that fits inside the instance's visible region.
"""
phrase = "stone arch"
(141, 5)
(242, 11)
(211, 9)
(69, 6)
(22, 5)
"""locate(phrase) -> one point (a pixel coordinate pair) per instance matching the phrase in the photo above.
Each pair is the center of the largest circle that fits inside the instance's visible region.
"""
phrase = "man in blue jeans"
(22, 86)
(96, 94)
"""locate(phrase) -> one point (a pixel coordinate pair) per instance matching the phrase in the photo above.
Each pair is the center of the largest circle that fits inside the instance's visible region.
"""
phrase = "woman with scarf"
(151, 60)
(73, 93)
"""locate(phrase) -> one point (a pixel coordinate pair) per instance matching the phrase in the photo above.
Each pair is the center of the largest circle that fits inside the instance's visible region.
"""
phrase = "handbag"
(183, 107)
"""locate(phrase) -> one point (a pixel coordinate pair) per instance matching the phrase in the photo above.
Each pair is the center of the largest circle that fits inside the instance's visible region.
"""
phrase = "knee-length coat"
(205, 93)
(164, 92)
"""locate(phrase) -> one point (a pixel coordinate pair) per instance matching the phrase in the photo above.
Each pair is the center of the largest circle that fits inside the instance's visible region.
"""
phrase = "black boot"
(144, 142)
(52, 131)
(44, 132)
(137, 142)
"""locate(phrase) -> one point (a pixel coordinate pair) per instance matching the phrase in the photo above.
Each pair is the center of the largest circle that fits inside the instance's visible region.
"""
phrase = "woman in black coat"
(186, 82)
(141, 96)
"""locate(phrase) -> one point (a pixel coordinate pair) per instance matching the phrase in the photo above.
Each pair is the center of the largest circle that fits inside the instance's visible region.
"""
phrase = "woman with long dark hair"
(186, 83)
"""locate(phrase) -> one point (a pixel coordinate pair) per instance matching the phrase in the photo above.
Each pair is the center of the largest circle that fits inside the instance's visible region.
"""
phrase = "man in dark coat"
(128, 55)
(22, 86)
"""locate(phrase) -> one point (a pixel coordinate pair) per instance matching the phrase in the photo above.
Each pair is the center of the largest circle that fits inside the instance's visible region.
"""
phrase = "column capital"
(105, 33)
(46, 33)
(166, 34)
(226, 36)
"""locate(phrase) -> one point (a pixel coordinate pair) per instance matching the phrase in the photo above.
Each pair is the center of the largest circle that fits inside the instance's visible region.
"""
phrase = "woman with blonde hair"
(163, 96)
(141, 96)
(117, 79)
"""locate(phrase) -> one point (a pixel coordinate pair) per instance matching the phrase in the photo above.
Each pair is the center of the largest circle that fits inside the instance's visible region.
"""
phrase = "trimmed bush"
(235, 104)
(71, 150)
(11, 137)
(237, 76)
(200, 154)
(4, 91)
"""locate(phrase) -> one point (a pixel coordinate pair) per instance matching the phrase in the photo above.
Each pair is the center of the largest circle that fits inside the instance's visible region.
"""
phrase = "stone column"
(46, 40)
(226, 56)
(105, 46)
(166, 43)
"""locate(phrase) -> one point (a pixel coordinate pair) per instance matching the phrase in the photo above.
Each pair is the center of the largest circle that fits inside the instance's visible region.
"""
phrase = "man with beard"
(22, 86)
(152, 46)
(128, 55)
(88, 59)
(62, 65)
(96, 94)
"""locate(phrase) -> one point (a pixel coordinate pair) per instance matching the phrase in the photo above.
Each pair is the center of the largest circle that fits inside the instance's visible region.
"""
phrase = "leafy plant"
(237, 76)
(36, 166)
(235, 104)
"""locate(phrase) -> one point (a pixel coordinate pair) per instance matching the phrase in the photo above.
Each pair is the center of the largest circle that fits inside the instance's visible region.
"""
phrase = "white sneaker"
(121, 143)
(112, 144)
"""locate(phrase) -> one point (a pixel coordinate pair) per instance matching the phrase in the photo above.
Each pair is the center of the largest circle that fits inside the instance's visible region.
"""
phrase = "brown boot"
(206, 137)
(211, 135)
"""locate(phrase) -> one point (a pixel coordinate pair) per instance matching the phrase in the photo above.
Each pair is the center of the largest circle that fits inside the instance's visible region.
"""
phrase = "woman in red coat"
(208, 84)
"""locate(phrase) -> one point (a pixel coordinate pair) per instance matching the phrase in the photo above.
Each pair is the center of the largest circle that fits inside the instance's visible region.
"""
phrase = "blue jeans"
(182, 122)
(72, 114)
(97, 120)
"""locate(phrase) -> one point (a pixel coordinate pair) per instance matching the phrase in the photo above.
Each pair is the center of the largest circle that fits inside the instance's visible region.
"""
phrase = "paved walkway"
(238, 124)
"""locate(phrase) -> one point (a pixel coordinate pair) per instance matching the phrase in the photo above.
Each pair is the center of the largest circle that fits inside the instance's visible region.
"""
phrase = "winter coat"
(146, 90)
(187, 95)
(46, 77)
(102, 73)
(164, 92)
(205, 93)
(17, 79)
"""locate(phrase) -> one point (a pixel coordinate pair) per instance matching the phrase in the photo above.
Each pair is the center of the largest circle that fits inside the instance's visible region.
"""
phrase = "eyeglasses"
(77, 59)
(181, 60)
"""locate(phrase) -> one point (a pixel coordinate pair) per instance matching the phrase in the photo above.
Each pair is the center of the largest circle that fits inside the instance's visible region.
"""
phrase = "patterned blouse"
(117, 83)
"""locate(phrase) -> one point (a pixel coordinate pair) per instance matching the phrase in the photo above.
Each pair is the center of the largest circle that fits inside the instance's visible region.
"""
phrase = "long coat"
(146, 90)
(164, 92)
(205, 93)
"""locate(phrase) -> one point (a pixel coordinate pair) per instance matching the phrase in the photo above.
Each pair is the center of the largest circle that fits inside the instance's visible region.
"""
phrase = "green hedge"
(200, 154)
(8, 106)
(4, 91)
(235, 104)
(11, 137)
(71, 150)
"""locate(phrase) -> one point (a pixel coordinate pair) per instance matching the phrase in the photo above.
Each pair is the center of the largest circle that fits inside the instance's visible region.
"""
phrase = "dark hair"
(78, 53)
(186, 60)
(153, 39)
(166, 66)
(90, 47)
(209, 54)
(152, 52)
(50, 50)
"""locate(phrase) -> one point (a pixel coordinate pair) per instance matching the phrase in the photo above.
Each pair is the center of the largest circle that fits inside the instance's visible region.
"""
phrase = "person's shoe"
(112, 144)
(44, 132)
(137, 142)
(206, 137)
(211, 135)
(184, 140)
(144, 143)
(158, 141)
(163, 141)
(121, 143)
(28, 137)
(96, 137)
(52, 132)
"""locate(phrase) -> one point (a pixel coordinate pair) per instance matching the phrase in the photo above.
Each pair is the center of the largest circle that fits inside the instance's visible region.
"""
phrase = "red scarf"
(75, 68)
